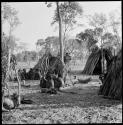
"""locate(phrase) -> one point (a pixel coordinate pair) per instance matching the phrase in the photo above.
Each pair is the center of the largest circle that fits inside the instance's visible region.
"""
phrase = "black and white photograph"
(61, 62)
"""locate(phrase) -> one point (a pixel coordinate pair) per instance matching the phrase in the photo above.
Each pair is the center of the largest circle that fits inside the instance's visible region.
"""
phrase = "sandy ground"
(74, 104)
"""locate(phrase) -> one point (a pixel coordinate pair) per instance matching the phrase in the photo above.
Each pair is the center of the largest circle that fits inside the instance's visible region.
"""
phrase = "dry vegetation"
(74, 104)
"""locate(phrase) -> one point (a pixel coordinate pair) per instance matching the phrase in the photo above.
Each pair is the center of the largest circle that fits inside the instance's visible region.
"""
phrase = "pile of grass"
(91, 63)
(94, 61)
(112, 87)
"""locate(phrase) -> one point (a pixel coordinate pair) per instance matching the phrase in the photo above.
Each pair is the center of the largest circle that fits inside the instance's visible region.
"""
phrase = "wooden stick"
(19, 88)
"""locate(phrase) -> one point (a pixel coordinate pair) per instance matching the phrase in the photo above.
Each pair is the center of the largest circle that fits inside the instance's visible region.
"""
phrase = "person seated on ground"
(53, 79)
(50, 84)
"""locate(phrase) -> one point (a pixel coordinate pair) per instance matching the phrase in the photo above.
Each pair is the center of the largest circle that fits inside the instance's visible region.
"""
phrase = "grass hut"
(112, 87)
(93, 64)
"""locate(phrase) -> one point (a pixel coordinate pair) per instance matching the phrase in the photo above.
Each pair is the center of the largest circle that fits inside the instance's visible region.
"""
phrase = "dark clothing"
(46, 83)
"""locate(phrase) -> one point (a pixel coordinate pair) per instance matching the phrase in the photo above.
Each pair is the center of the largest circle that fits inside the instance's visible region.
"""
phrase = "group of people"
(30, 75)
(53, 76)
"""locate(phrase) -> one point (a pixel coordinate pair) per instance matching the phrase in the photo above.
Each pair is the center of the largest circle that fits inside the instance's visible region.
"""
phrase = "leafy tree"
(69, 11)
(110, 42)
(9, 15)
(33, 55)
(86, 39)
(70, 46)
(65, 14)
(20, 47)
(49, 44)
(90, 32)
(60, 32)
(26, 56)
(39, 43)
(98, 20)
(107, 37)
(42, 51)
(115, 24)
(52, 43)
(19, 57)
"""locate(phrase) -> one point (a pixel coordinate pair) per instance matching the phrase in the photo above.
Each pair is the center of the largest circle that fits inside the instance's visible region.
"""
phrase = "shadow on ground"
(84, 96)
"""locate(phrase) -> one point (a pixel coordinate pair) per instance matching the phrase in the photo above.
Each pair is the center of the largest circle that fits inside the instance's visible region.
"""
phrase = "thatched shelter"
(93, 64)
(49, 62)
(112, 87)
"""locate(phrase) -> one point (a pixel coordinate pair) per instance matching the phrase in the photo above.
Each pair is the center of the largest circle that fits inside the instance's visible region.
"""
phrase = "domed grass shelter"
(48, 65)
(93, 64)
(112, 86)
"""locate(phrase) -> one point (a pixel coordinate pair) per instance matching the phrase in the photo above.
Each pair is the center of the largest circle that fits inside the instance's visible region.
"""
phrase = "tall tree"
(60, 29)
(39, 43)
(9, 15)
(60, 32)
(68, 12)
(115, 24)
(65, 14)
(20, 47)
(98, 20)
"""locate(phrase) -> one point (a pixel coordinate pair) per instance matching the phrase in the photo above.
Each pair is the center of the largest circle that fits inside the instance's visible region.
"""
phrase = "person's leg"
(62, 81)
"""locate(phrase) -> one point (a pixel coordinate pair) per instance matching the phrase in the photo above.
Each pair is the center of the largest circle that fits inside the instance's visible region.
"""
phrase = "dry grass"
(73, 104)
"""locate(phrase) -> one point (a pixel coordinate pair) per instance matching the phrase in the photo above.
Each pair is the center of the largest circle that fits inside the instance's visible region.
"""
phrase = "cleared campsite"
(61, 62)
(74, 104)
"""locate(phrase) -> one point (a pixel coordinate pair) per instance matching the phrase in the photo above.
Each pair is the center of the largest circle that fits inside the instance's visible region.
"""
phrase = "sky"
(36, 17)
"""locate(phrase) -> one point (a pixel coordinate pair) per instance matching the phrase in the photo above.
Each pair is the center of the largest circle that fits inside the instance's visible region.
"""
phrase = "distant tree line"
(25, 56)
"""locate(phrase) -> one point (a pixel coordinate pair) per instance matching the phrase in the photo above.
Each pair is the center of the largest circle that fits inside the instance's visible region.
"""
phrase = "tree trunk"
(19, 88)
(37, 52)
(102, 60)
(60, 34)
(9, 52)
(9, 57)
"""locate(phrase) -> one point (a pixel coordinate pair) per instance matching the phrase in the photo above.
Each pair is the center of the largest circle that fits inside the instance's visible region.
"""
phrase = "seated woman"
(53, 79)
(50, 83)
